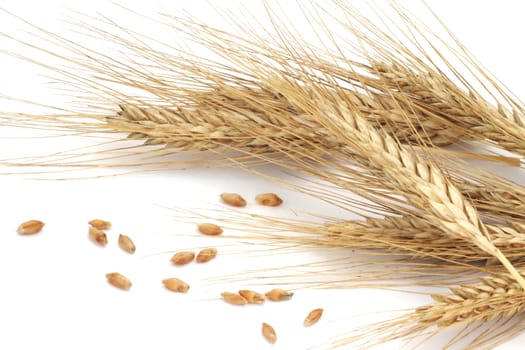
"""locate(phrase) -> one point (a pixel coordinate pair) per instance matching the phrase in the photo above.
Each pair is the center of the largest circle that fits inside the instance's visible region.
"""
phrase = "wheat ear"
(495, 293)
(498, 203)
(495, 297)
(406, 235)
(217, 122)
(468, 110)
(417, 236)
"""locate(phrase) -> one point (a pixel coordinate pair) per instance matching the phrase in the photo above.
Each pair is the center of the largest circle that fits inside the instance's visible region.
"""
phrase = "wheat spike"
(407, 235)
(497, 201)
(493, 298)
(418, 237)
(468, 110)
(495, 294)
(215, 123)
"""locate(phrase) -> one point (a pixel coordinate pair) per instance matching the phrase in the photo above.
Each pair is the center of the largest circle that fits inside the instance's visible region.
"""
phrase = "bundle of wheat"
(371, 123)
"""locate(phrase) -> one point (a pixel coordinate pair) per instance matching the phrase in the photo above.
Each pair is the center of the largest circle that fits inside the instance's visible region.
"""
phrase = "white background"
(53, 292)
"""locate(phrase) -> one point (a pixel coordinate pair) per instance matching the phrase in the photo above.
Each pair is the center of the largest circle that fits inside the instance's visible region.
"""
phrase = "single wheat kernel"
(233, 199)
(100, 224)
(481, 308)
(206, 255)
(313, 317)
(252, 297)
(176, 285)
(269, 333)
(98, 236)
(233, 298)
(278, 294)
(118, 280)
(210, 229)
(30, 227)
(465, 315)
(268, 199)
(182, 258)
(126, 244)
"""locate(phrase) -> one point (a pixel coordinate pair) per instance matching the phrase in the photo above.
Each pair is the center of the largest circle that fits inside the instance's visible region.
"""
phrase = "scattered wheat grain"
(313, 317)
(126, 244)
(30, 227)
(183, 258)
(98, 236)
(233, 199)
(252, 297)
(100, 224)
(268, 199)
(176, 285)
(278, 294)
(119, 281)
(269, 333)
(210, 229)
(206, 255)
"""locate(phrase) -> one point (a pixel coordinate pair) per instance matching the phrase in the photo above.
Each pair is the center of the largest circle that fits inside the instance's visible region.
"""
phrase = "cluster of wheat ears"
(368, 112)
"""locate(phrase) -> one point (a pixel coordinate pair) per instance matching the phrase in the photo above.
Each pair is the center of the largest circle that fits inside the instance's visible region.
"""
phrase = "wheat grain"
(209, 229)
(269, 333)
(313, 317)
(98, 236)
(30, 227)
(251, 296)
(126, 244)
(119, 281)
(100, 224)
(268, 199)
(206, 255)
(182, 258)
(278, 294)
(176, 285)
(233, 199)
